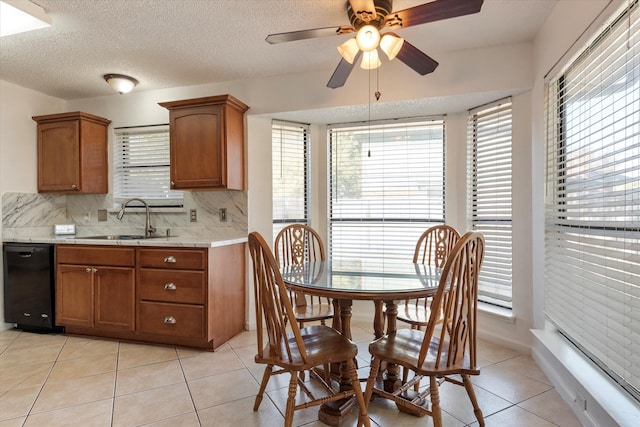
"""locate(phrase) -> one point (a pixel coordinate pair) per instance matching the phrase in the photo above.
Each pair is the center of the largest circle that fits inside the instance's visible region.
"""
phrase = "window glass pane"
(592, 281)
(489, 205)
(141, 165)
(387, 187)
(289, 155)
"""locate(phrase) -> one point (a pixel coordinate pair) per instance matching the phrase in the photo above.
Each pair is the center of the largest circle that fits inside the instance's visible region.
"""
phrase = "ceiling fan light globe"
(348, 50)
(391, 44)
(370, 60)
(368, 38)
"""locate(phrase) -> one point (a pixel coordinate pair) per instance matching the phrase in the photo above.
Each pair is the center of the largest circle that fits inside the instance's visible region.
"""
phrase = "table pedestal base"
(335, 413)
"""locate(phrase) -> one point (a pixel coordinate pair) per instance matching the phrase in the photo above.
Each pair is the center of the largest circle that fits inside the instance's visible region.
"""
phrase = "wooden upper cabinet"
(207, 143)
(72, 153)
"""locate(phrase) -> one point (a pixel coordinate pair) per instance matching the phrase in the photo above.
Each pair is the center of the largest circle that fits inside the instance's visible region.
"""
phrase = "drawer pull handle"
(170, 286)
(170, 320)
(170, 260)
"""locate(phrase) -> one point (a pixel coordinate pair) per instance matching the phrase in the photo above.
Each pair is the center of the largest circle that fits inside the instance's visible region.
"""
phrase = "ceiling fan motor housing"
(359, 18)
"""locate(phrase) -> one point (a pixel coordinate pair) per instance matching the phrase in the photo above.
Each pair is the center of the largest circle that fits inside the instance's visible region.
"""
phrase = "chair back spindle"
(456, 298)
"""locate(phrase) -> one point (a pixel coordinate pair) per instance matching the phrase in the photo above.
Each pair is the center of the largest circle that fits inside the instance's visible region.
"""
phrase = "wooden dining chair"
(432, 248)
(289, 348)
(448, 345)
(296, 244)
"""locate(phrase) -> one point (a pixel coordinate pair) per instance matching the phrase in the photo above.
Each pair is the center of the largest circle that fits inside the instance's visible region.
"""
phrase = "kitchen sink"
(116, 237)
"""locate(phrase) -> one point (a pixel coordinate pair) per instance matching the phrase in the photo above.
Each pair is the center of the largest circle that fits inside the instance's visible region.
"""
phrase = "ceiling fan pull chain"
(378, 94)
(369, 99)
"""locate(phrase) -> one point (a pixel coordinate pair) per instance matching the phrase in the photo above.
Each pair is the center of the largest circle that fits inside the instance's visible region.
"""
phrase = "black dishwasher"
(29, 286)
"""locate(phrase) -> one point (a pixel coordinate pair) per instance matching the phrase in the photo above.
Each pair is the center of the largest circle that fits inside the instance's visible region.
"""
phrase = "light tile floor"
(54, 380)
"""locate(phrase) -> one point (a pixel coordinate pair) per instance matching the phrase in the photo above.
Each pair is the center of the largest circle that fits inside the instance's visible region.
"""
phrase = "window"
(489, 196)
(290, 172)
(592, 281)
(386, 187)
(141, 166)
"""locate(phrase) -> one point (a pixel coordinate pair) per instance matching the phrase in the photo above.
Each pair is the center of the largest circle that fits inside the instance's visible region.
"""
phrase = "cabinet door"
(59, 156)
(114, 298)
(197, 150)
(74, 296)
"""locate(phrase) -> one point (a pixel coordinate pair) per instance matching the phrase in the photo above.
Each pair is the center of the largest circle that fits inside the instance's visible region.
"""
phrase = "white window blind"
(141, 165)
(489, 172)
(290, 173)
(387, 186)
(592, 281)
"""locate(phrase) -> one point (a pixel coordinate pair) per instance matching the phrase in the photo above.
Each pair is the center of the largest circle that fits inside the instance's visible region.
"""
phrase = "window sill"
(499, 313)
(578, 378)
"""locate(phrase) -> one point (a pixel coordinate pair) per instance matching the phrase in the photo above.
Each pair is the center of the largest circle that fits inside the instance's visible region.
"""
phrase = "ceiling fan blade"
(308, 34)
(416, 59)
(340, 75)
(432, 11)
(359, 6)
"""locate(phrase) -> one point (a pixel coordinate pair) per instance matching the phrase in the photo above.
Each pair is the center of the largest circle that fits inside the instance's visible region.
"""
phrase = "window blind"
(141, 165)
(290, 173)
(386, 186)
(592, 280)
(489, 196)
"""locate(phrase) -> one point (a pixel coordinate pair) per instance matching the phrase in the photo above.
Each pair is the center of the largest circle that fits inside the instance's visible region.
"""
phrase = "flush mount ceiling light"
(121, 83)
(18, 16)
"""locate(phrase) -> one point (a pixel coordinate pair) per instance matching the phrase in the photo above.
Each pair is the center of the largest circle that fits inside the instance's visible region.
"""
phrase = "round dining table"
(382, 281)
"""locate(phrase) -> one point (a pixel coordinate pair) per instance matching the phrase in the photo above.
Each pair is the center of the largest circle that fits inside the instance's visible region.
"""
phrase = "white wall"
(18, 147)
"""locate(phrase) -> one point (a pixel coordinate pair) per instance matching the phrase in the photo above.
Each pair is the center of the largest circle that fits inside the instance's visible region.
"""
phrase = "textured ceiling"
(171, 43)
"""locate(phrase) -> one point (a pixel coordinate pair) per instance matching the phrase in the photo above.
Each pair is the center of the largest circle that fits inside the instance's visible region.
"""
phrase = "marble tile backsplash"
(34, 215)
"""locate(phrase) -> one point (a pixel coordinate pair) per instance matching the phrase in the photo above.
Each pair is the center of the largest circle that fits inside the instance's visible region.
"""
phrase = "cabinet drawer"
(95, 255)
(176, 320)
(171, 286)
(179, 259)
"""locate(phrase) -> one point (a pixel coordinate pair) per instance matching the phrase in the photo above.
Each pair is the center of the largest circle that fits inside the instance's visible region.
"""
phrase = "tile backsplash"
(34, 215)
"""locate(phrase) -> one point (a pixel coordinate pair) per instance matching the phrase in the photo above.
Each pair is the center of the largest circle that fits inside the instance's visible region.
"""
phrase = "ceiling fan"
(368, 18)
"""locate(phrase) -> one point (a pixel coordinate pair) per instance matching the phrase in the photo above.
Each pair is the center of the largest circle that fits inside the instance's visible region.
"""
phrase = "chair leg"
(371, 381)
(291, 399)
(363, 419)
(263, 385)
(436, 413)
(474, 401)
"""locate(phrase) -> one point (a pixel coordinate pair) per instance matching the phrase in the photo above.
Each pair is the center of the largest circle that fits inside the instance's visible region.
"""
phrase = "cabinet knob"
(94, 270)
(173, 184)
(170, 260)
(74, 187)
(88, 270)
(170, 320)
(170, 286)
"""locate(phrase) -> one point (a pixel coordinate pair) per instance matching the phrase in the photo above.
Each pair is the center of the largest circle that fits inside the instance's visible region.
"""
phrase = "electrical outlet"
(102, 214)
(580, 401)
(87, 216)
(223, 215)
(194, 215)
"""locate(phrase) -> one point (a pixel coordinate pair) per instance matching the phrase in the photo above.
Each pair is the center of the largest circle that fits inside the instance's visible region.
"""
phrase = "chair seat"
(323, 345)
(403, 347)
(313, 312)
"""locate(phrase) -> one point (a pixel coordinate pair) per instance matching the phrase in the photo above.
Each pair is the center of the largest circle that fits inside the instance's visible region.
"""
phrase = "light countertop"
(177, 241)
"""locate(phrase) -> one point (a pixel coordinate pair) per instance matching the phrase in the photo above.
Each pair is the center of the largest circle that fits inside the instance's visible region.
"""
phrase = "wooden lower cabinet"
(96, 293)
(191, 297)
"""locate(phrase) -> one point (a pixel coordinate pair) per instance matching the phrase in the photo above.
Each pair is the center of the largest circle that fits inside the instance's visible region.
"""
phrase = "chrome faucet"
(148, 228)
